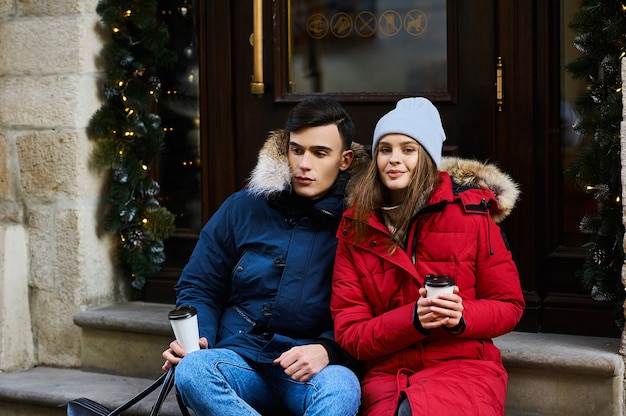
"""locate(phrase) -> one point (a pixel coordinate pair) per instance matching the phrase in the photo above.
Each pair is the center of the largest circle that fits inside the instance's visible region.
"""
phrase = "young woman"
(425, 356)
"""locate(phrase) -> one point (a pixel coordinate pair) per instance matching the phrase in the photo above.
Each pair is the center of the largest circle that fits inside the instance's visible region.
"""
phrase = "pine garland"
(600, 28)
(129, 135)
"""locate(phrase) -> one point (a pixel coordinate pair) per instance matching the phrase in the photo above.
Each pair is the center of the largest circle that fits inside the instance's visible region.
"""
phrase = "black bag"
(86, 407)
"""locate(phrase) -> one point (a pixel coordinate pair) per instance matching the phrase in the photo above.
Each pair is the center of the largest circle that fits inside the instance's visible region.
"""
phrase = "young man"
(260, 278)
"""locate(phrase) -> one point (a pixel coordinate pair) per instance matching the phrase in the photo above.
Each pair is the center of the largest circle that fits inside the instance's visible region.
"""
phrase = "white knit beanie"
(417, 118)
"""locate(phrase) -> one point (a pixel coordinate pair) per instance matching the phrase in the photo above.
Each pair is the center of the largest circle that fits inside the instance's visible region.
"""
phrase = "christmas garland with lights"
(600, 28)
(129, 135)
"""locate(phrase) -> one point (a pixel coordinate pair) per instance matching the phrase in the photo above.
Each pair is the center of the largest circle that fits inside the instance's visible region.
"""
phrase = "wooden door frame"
(518, 121)
(217, 144)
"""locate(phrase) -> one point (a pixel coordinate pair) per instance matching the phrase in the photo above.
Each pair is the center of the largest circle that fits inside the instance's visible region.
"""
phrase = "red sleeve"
(357, 329)
(499, 301)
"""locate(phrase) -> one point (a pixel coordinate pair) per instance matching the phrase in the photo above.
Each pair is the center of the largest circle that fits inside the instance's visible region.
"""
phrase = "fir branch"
(600, 26)
(128, 133)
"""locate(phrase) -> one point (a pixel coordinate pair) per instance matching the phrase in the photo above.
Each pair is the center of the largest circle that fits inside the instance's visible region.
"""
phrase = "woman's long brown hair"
(369, 194)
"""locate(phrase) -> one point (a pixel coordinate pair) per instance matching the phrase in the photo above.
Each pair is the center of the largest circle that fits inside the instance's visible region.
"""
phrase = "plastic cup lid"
(182, 312)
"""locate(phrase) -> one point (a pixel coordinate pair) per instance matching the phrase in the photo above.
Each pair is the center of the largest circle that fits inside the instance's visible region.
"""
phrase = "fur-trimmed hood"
(271, 173)
(475, 174)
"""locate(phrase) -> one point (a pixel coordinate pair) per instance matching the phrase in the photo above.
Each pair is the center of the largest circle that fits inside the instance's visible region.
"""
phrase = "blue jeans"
(220, 382)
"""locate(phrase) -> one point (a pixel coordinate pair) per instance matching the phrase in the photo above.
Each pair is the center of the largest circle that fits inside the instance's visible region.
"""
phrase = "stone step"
(549, 374)
(125, 338)
(563, 375)
(44, 391)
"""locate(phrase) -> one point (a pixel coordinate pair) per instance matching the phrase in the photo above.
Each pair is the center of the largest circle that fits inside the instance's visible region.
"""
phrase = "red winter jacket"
(374, 296)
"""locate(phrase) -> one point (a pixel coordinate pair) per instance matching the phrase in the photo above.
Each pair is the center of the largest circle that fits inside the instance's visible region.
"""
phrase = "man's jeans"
(219, 382)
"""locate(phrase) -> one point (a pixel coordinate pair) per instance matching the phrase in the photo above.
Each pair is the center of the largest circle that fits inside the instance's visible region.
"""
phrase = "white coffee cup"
(184, 321)
(437, 285)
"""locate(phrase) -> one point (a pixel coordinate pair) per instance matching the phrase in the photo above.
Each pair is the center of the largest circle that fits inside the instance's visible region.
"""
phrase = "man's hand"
(303, 362)
(176, 352)
(444, 310)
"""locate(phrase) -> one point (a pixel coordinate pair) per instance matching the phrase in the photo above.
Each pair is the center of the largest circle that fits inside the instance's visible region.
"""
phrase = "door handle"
(257, 86)
(499, 86)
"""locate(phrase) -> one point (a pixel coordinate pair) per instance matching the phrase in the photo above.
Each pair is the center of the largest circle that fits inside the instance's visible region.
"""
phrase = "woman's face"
(397, 160)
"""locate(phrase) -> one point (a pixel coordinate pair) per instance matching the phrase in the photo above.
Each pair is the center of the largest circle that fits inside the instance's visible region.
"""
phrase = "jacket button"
(344, 232)
(373, 243)
(240, 269)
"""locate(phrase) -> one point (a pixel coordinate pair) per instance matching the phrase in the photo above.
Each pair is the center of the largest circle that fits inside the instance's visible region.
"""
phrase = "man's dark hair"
(322, 110)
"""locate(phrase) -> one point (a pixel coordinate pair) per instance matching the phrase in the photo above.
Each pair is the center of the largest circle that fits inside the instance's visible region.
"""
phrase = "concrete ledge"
(594, 356)
(141, 330)
(136, 317)
(562, 375)
(45, 390)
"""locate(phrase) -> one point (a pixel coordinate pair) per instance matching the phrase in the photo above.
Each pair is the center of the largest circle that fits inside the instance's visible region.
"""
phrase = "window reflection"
(179, 166)
(576, 203)
(370, 46)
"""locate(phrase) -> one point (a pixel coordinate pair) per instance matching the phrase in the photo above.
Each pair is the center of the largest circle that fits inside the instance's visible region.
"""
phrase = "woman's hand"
(443, 310)
(176, 352)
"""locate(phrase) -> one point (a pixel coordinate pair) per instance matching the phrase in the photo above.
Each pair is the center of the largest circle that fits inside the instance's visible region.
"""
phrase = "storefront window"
(576, 203)
(345, 46)
(179, 165)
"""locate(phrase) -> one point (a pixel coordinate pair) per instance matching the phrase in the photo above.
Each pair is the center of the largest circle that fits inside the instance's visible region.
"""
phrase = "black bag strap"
(181, 405)
(142, 394)
(166, 381)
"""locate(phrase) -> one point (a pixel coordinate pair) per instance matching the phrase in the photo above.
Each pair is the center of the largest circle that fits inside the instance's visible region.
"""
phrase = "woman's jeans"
(220, 382)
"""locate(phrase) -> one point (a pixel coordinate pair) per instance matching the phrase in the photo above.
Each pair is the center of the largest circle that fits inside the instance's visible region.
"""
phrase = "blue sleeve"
(205, 280)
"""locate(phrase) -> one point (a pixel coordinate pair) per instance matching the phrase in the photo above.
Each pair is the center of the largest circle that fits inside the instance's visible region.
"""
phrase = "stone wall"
(54, 261)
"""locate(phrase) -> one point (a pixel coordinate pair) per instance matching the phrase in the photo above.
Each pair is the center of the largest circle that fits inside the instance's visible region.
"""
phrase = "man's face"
(315, 159)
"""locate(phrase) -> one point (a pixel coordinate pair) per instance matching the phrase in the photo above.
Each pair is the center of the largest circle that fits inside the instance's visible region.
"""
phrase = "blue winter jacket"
(260, 274)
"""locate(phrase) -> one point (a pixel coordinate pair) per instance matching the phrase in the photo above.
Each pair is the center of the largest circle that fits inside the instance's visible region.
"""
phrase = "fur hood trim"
(271, 173)
(476, 174)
